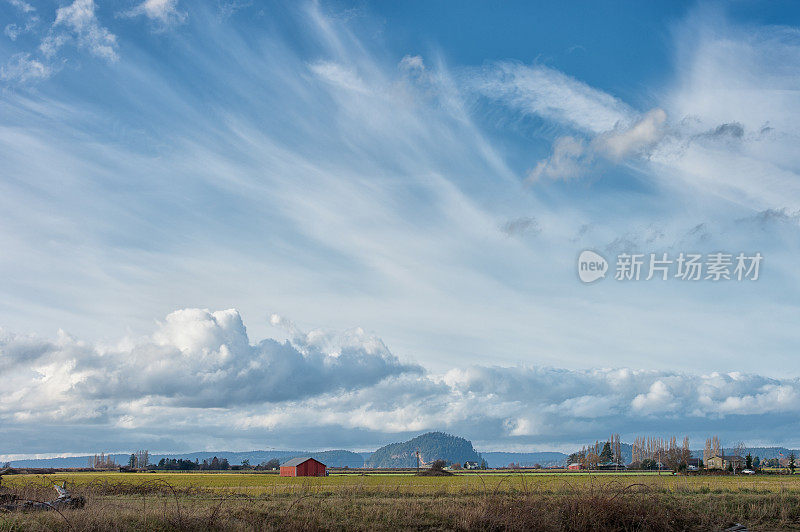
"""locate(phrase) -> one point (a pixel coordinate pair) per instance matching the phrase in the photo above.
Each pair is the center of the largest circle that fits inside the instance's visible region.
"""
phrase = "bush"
(438, 465)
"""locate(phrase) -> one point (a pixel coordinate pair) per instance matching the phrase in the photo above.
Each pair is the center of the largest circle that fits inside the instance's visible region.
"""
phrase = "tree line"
(593, 456)
(215, 464)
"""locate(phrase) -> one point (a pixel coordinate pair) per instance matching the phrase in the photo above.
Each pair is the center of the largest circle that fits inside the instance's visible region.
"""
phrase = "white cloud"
(31, 20)
(23, 68)
(572, 157)
(726, 127)
(199, 358)
(23, 6)
(78, 22)
(412, 63)
(369, 197)
(164, 12)
(339, 75)
(12, 31)
(549, 94)
(567, 161)
(228, 7)
(200, 367)
(657, 399)
(621, 143)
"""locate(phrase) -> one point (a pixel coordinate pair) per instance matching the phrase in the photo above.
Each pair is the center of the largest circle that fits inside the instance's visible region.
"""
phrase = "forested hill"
(431, 446)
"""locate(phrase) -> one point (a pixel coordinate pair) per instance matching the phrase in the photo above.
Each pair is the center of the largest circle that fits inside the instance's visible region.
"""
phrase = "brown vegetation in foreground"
(158, 506)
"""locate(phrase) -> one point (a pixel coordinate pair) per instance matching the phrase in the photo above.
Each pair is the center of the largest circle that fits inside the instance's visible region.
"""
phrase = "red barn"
(303, 466)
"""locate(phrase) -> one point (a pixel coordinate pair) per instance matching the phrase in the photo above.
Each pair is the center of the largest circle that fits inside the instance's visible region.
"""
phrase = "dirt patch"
(434, 473)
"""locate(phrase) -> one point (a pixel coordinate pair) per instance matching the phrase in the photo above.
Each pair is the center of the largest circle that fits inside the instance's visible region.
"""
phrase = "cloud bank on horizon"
(159, 154)
(199, 382)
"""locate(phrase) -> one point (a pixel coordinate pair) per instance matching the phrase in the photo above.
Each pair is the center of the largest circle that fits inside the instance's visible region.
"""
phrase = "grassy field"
(470, 501)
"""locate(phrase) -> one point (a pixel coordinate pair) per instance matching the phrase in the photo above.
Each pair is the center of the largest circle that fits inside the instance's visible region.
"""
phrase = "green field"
(407, 483)
(466, 501)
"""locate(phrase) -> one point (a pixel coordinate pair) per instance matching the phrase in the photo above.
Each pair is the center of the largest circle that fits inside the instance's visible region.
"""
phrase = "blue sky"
(390, 200)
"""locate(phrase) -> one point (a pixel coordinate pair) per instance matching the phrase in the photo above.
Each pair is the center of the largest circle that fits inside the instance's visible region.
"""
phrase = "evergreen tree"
(791, 462)
(748, 461)
(605, 455)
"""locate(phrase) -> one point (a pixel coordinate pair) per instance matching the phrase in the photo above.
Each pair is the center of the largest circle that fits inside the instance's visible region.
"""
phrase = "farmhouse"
(303, 466)
(610, 466)
(469, 464)
(722, 462)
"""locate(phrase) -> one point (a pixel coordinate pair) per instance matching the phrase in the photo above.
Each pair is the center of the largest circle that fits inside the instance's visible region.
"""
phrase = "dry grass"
(143, 502)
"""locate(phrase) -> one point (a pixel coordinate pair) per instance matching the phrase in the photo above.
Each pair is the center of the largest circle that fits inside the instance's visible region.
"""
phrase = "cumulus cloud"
(568, 160)
(201, 359)
(201, 366)
(657, 399)
(381, 191)
(163, 12)
(624, 142)
(78, 22)
(572, 157)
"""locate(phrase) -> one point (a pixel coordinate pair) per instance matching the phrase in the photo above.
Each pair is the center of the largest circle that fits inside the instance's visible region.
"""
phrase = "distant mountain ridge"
(431, 446)
(545, 459)
(763, 453)
(334, 458)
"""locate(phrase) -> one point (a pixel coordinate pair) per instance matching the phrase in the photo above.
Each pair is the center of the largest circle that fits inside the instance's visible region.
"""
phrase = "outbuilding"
(722, 462)
(303, 466)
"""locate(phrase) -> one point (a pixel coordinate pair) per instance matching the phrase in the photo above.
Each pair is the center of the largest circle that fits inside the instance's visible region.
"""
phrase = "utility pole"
(417, 453)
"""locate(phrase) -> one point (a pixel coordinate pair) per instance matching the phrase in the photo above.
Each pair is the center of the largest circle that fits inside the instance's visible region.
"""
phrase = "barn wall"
(311, 468)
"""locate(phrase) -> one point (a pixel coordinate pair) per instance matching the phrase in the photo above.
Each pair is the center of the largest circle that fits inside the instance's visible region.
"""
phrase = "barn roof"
(299, 460)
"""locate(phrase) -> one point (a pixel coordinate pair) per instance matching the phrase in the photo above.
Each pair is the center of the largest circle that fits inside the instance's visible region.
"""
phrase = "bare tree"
(142, 459)
(707, 451)
(102, 462)
(686, 452)
(616, 449)
(738, 452)
(592, 459)
(716, 447)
